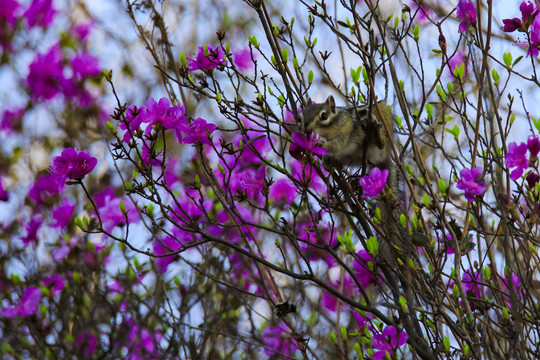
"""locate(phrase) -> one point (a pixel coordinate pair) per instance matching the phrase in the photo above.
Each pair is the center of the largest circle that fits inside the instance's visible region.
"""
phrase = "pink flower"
(388, 342)
(32, 228)
(85, 65)
(516, 158)
(456, 61)
(12, 120)
(4, 195)
(109, 209)
(162, 113)
(528, 13)
(40, 13)
(199, 132)
(277, 341)
(8, 10)
(466, 13)
(534, 39)
(213, 59)
(471, 182)
(56, 282)
(165, 246)
(26, 306)
(282, 192)
(374, 183)
(72, 164)
(364, 275)
(82, 30)
(46, 74)
(303, 142)
(242, 59)
(62, 214)
(44, 188)
(133, 121)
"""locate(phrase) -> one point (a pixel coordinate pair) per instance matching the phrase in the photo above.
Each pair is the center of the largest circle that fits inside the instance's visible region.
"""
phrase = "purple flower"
(62, 214)
(534, 39)
(282, 192)
(253, 182)
(56, 282)
(32, 228)
(109, 208)
(133, 121)
(533, 145)
(72, 164)
(43, 188)
(466, 13)
(46, 74)
(242, 59)
(12, 120)
(516, 158)
(4, 195)
(162, 113)
(528, 13)
(213, 59)
(165, 246)
(85, 65)
(199, 132)
(40, 13)
(87, 342)
(27, 304)
(388, 342)
(364, 275)
(532, 179)
(471, 182)
(8, 10)
(374, 183)
(456, 61)
(276, 340)
(303, 142)
(82, 30)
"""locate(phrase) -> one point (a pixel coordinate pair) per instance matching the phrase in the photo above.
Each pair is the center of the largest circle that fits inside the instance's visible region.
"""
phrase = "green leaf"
(429, 110)
(442, 186)
(123, 208)
(183, 59)
(487, 273)
(310, 76)
(495, 76)
(285, 54)
(372, 246)
(416, 32)
(454, 131)
(446, 342)
(450, 87)
(197, 182)
(403, 304)
(403, 221)
(507, 57)
(253, 41)
(344, 333)
(79, 223)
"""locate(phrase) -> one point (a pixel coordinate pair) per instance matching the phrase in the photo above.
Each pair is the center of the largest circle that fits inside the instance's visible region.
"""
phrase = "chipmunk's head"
(318, 116)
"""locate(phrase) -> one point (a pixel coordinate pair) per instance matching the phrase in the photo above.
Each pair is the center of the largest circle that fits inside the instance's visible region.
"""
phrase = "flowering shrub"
(158, 198)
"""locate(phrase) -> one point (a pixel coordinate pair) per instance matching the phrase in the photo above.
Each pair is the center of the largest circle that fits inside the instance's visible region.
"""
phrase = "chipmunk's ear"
(330, 104)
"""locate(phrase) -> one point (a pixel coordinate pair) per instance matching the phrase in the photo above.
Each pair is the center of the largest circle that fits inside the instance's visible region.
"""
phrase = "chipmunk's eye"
(324, 116)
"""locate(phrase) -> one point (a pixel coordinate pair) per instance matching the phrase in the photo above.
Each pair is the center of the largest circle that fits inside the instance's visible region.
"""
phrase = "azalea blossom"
(466, 13)
(374, 183)
(472, 182)
(388, 342)
(528, 14)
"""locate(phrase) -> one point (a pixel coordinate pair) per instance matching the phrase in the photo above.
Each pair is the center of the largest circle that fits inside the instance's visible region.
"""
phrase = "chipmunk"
(349, 136)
